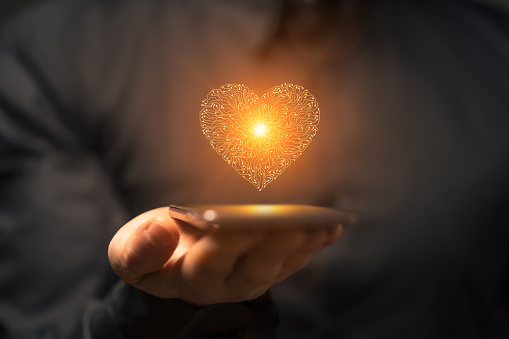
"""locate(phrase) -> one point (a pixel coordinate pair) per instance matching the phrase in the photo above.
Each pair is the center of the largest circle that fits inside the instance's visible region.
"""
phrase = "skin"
(171, 259)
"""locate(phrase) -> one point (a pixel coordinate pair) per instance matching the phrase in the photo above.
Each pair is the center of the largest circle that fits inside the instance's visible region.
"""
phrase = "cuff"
(131, 313)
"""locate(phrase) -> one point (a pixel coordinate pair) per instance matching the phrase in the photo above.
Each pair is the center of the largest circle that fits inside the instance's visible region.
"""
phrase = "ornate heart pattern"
(260, 137)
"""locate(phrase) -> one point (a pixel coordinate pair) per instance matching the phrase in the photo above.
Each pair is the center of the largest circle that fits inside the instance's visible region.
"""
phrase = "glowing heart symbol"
(260, 137)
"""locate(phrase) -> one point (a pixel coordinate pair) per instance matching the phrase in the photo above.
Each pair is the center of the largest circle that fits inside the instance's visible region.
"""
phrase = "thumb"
(142, 246)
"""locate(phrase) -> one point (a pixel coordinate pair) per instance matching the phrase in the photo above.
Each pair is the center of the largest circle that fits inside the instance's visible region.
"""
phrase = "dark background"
(9, 8)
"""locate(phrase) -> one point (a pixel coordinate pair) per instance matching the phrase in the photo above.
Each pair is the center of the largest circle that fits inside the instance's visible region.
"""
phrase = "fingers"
(236, 266)
(256, 272)
(218, 253)
(208, 263)
(315, 241)
(143, 245)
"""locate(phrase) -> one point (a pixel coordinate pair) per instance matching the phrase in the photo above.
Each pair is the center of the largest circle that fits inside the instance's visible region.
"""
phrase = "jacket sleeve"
(60, 206)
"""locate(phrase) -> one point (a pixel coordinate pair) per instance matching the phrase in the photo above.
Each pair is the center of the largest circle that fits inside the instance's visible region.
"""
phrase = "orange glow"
(260, 129)
(260, 137)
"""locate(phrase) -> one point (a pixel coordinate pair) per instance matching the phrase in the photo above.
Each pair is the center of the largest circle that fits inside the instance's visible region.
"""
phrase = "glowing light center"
(260, 129)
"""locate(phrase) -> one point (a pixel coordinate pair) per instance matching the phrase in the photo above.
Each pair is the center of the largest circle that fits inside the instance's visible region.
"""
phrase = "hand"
(171, 259)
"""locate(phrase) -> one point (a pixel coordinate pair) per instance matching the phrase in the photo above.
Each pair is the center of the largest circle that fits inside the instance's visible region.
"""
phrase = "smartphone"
(224, 217)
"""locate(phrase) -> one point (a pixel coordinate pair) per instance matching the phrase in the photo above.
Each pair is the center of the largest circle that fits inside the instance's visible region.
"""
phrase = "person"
(99, 128)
